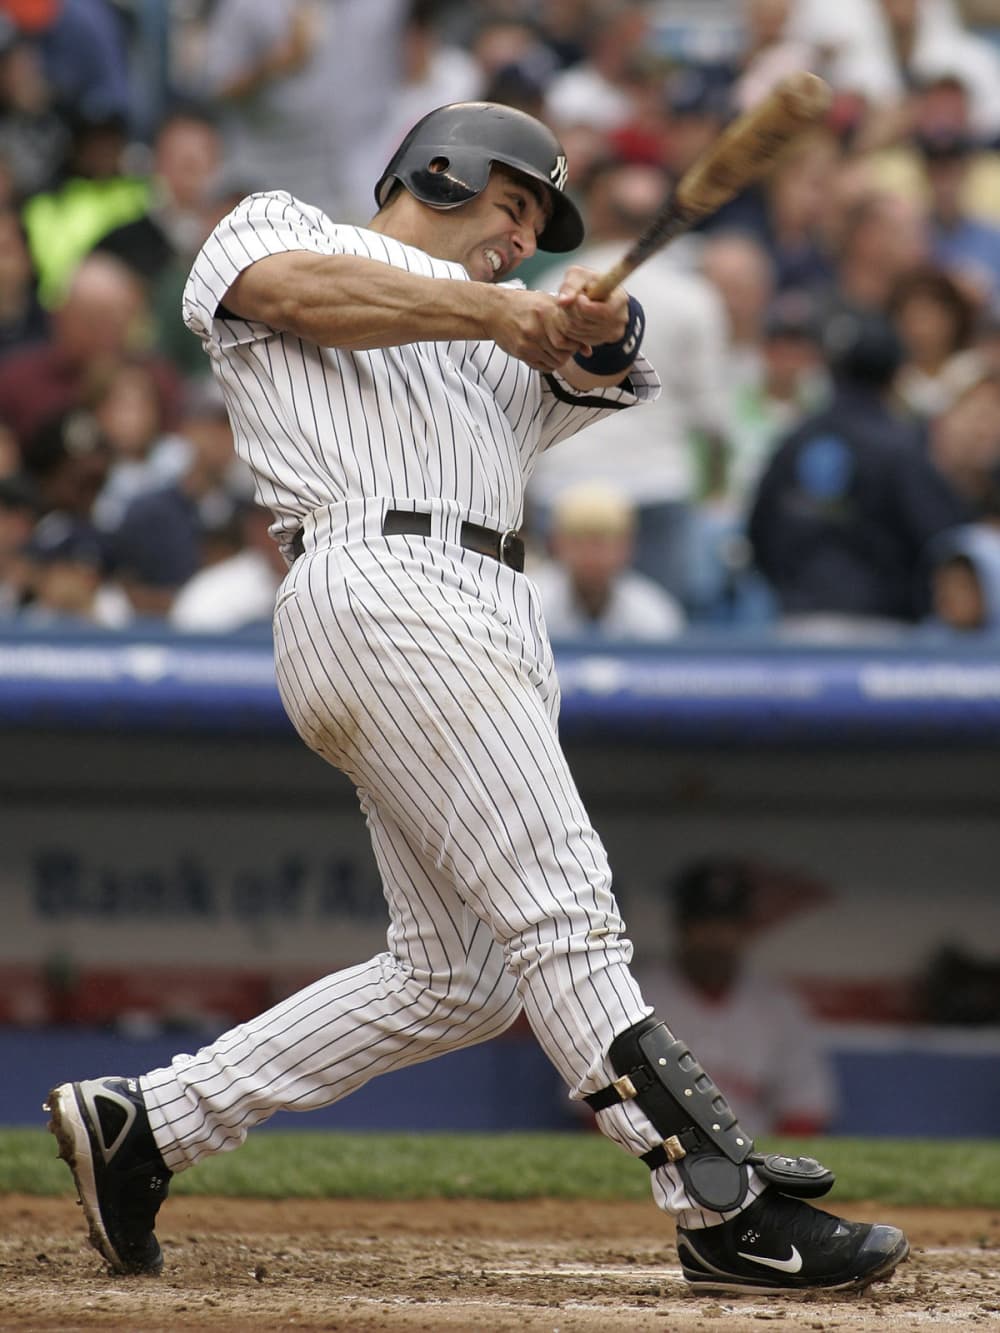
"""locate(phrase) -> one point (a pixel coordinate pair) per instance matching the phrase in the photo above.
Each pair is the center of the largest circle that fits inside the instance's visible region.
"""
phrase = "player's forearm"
(358, 304)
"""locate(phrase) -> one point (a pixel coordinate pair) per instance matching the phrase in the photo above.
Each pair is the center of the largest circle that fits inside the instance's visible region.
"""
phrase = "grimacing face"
(492, 233)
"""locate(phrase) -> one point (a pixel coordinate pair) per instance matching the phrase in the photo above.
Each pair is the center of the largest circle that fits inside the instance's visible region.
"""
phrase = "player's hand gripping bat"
(741, 153)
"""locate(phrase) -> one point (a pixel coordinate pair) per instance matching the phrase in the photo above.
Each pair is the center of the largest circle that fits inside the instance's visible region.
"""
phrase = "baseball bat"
(742, 152)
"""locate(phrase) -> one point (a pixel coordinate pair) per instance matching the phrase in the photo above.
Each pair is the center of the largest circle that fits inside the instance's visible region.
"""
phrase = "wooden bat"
(742, 152)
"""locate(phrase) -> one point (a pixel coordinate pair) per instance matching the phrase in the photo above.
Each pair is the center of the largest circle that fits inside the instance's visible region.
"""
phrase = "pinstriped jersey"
(461, 420)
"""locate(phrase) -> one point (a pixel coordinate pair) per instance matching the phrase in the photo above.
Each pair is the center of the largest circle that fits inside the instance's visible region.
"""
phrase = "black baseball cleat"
(780, 1245)
(104, 1138)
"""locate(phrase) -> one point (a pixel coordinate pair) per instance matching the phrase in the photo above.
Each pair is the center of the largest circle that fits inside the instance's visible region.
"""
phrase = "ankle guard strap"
(700, 1132)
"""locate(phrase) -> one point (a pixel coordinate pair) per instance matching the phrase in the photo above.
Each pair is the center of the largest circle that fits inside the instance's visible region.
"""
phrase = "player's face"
(493, 233)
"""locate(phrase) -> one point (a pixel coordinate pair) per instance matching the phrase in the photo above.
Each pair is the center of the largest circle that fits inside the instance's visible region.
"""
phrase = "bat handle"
(601, 287)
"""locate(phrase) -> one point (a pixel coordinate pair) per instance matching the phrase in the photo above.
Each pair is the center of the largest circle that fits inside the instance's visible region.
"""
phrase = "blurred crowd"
(824, 461)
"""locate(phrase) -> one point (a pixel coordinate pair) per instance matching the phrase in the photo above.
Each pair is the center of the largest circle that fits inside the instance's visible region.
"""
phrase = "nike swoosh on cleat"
(791, 1265)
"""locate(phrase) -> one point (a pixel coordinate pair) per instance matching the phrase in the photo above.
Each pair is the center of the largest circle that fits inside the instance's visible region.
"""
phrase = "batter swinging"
(391, 394)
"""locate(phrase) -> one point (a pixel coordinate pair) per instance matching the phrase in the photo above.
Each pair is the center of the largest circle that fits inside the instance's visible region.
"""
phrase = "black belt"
(507, 547)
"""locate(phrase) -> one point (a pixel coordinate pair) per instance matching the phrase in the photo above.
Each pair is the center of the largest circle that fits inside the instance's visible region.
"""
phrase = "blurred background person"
(767, 1050)
(96, 189)
(790, 383)
(83, 53)
(796, 204)
(587, 588)
(878, 49)
(965, 580)
(935, 320)
(145, 456)
(965, 444)
(654, 461)
(301, 89)
(846, 509)
(769, 51)
(102, 320)
(597, 90)
(741, 272)
(66, 460)
(166, 535)
(34, 136)
(236, 591)
(965, 245)
(881, 237)
(186, 159)
(23, 321)
(65, 562)
(18, 513)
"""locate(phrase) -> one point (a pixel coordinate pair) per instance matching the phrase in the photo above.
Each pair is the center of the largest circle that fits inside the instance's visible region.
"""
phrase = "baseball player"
(391, 390)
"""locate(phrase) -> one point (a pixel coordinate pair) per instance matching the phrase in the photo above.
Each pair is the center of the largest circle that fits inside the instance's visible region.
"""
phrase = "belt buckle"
(510, 550)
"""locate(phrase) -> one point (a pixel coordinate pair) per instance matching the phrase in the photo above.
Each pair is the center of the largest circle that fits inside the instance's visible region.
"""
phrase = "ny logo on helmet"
(559, 173)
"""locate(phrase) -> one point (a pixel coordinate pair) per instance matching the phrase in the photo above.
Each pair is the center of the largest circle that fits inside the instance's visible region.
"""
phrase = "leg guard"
(701, 1135)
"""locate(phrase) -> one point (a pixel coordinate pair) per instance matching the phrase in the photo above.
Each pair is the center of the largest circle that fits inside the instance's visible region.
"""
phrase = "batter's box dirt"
(563, 1267)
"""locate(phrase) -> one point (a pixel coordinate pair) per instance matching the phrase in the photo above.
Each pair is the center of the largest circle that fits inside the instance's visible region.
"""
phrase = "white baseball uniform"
(423, 671)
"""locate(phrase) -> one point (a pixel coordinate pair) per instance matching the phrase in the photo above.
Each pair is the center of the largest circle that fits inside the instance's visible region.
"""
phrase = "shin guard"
(701, 1135)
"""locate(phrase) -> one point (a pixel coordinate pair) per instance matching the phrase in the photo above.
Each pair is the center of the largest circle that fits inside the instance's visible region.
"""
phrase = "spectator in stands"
(587, 589)
(965, 580)
(765, 1051)
(10, 452)
(238, 590)
(882, 237)
(935, 320)
(740, 270)
(22, 319)
(723, 585)
(271, 67)
(18, 512)
(162, 538)
(101, 321)
(34, 137)
(95, 192)
(67, 458)
(966, 246)
(596, 91)
(65, 561)
(845, 512)
(144, 455)
(793, 381)
(769, 52)
(965, 445)
(82, 50)
(187, 154)
(881, 48)
(652, 461)
(159, 246)
(797, 200)
(698, 106)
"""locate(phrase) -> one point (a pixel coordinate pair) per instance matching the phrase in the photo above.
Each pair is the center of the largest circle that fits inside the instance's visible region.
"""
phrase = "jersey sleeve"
(566, 410)
(262, 224)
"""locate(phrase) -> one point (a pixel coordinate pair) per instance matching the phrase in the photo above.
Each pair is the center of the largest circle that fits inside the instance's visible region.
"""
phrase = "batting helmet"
(464, 140)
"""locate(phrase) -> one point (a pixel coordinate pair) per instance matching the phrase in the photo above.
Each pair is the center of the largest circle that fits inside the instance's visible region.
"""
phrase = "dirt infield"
(355, 1266)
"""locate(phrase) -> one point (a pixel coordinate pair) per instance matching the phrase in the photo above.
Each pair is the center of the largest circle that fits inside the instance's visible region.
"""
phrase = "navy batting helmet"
(464, 140)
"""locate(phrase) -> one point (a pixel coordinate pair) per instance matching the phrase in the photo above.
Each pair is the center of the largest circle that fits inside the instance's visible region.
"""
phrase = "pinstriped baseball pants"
(424, 672)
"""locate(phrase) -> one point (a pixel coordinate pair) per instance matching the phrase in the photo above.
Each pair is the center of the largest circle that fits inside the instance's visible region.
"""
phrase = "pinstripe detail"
(424, 672)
